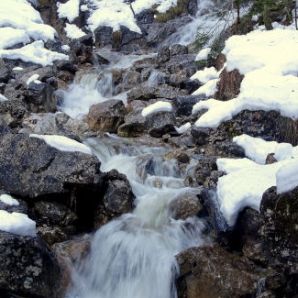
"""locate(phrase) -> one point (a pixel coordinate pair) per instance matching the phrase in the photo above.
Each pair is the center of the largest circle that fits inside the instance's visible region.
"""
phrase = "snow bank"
(159, 106)
(203, 54)
(73, 32)
(257, 149)
(161, 5)
(244, 187)
(17, 223)
(34, 52)
(20, 14)
(269, 61)
(2, 98)
(69, 10)
(10, 37)
(20, 23)
(247, 180)
(63, 143)
(183, 128)
(8, 200)
(205, 75)
(116, 13)
(208, 89)
(112, 13)
(287, 177)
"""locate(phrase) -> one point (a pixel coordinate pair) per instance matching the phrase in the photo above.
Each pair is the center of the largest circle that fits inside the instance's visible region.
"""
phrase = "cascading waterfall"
(134, 256)
(97, 85)
(213, 17)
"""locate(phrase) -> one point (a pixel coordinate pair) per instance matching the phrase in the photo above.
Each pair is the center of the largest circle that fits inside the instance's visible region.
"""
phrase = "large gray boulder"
(31, 168)
(27, 268)
(106, 116)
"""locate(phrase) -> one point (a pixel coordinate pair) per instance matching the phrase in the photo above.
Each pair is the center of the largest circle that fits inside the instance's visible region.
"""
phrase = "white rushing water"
(134, 256)
(97, 85)
(212, 19)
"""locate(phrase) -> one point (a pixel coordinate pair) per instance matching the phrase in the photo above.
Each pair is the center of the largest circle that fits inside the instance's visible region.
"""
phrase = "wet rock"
(200, 135)
(134, 124)
(130, 80)
(211, 272)
(40, 98)
(192, 7)
(81, 50)
(12, 113)
(280, 213)
(145, 17)
(185, 62)
(163, 91)
(27, 267)
(68, 254)
(31, 168)
(163, 55)
(50, 123)
(118, 198)
(178, 49)
(229, 84)
(270, 159)
(5, 72)
(156, 32)
(185, 206)
(184, 104)
(204, 169)
(161, 123)
(106, 116)
(106, 36)
(53, 213)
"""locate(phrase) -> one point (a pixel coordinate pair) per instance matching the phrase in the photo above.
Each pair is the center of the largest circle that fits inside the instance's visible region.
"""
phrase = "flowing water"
(134, 256)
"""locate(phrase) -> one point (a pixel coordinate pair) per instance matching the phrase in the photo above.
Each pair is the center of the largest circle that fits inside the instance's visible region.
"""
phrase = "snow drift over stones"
(69, 10)
(159, 106)
(63, 143)
(20, 23)
(15, 222)
(269, 62)
(116, 13)
(247, 180)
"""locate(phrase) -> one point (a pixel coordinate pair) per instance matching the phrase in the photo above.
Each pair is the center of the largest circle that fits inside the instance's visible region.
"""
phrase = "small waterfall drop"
(134, 255)
(96, 85)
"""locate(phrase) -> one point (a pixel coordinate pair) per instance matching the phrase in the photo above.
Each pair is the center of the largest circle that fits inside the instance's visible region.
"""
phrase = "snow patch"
(17, 223)
(33, 79)
(2, 98)
(159, 106)
(203, 54)
(73, 32)
(183, 128)
(69, 10)
(20, 23)
(270, 81)
(63, 143)
(9, 200)
(287, 177)
(205, 75)
(35, 53)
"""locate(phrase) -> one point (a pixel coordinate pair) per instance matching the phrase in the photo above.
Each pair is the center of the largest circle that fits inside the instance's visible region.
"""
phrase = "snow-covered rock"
(63, 143)
(69, 10)
(159, 106)
(20, 23)
(268, 61)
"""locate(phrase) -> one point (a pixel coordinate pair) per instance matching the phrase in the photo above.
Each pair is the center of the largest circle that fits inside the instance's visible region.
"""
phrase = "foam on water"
(134, 255)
